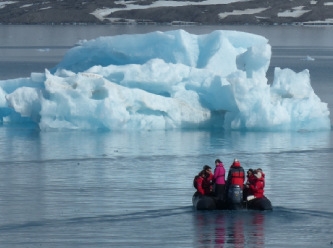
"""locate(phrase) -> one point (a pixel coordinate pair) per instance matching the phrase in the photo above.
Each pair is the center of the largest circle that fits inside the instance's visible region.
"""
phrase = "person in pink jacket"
(219, 180)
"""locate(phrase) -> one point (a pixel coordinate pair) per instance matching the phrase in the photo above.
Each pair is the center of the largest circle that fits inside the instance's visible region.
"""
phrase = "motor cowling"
(235, 197)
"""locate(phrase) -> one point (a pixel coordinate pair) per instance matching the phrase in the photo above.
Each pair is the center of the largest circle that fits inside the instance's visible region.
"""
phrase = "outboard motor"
(235, 197)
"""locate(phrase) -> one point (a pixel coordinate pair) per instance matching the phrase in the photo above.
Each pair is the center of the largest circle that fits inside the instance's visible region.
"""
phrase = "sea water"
(134, 189)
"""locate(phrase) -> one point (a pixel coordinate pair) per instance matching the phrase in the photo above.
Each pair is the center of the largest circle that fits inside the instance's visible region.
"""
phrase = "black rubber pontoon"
(202, 202)
(210, 203)
(259, 204)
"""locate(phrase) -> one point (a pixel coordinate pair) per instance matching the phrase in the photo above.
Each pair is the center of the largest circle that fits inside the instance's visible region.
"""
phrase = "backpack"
(195, 182)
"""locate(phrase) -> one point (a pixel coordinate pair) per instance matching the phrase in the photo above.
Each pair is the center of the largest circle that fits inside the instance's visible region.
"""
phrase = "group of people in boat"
(215, 183)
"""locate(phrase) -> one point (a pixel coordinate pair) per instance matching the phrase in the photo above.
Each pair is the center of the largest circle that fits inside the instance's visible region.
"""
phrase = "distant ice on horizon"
(162, 81)
(102, 13)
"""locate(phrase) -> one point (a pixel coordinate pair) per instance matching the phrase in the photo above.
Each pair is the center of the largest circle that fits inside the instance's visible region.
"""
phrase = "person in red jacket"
(235, 185)
(209, 172)
(236, 175)
(257, 188)
(262, 174)
(250, 180)
(208, 182)
(199, 182)
(250, 177)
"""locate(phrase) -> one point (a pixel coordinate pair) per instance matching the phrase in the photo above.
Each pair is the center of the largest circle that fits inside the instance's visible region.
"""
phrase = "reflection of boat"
(201, 202)
(222, 229)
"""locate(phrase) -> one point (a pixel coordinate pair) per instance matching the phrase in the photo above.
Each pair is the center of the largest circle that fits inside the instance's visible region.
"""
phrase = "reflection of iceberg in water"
(230, 229)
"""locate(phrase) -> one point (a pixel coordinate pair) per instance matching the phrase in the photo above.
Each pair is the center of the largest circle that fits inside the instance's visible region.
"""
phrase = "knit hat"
(236, 162)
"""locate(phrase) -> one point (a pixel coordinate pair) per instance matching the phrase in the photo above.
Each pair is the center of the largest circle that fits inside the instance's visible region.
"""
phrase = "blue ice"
(166, 80)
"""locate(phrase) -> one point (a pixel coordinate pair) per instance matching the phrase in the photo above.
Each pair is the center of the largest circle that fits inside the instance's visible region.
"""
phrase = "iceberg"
(166, 80)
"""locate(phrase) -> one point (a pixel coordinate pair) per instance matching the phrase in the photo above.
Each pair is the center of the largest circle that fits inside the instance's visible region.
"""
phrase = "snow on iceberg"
(166, 80)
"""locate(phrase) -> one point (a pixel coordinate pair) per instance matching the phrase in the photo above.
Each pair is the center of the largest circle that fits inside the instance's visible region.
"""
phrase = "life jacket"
(237, 176)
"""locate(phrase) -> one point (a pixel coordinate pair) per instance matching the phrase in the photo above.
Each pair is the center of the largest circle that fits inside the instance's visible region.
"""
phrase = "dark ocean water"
(89, 189)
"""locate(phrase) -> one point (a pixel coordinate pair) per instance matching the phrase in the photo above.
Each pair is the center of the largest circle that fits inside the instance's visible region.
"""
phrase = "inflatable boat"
(203, 202)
